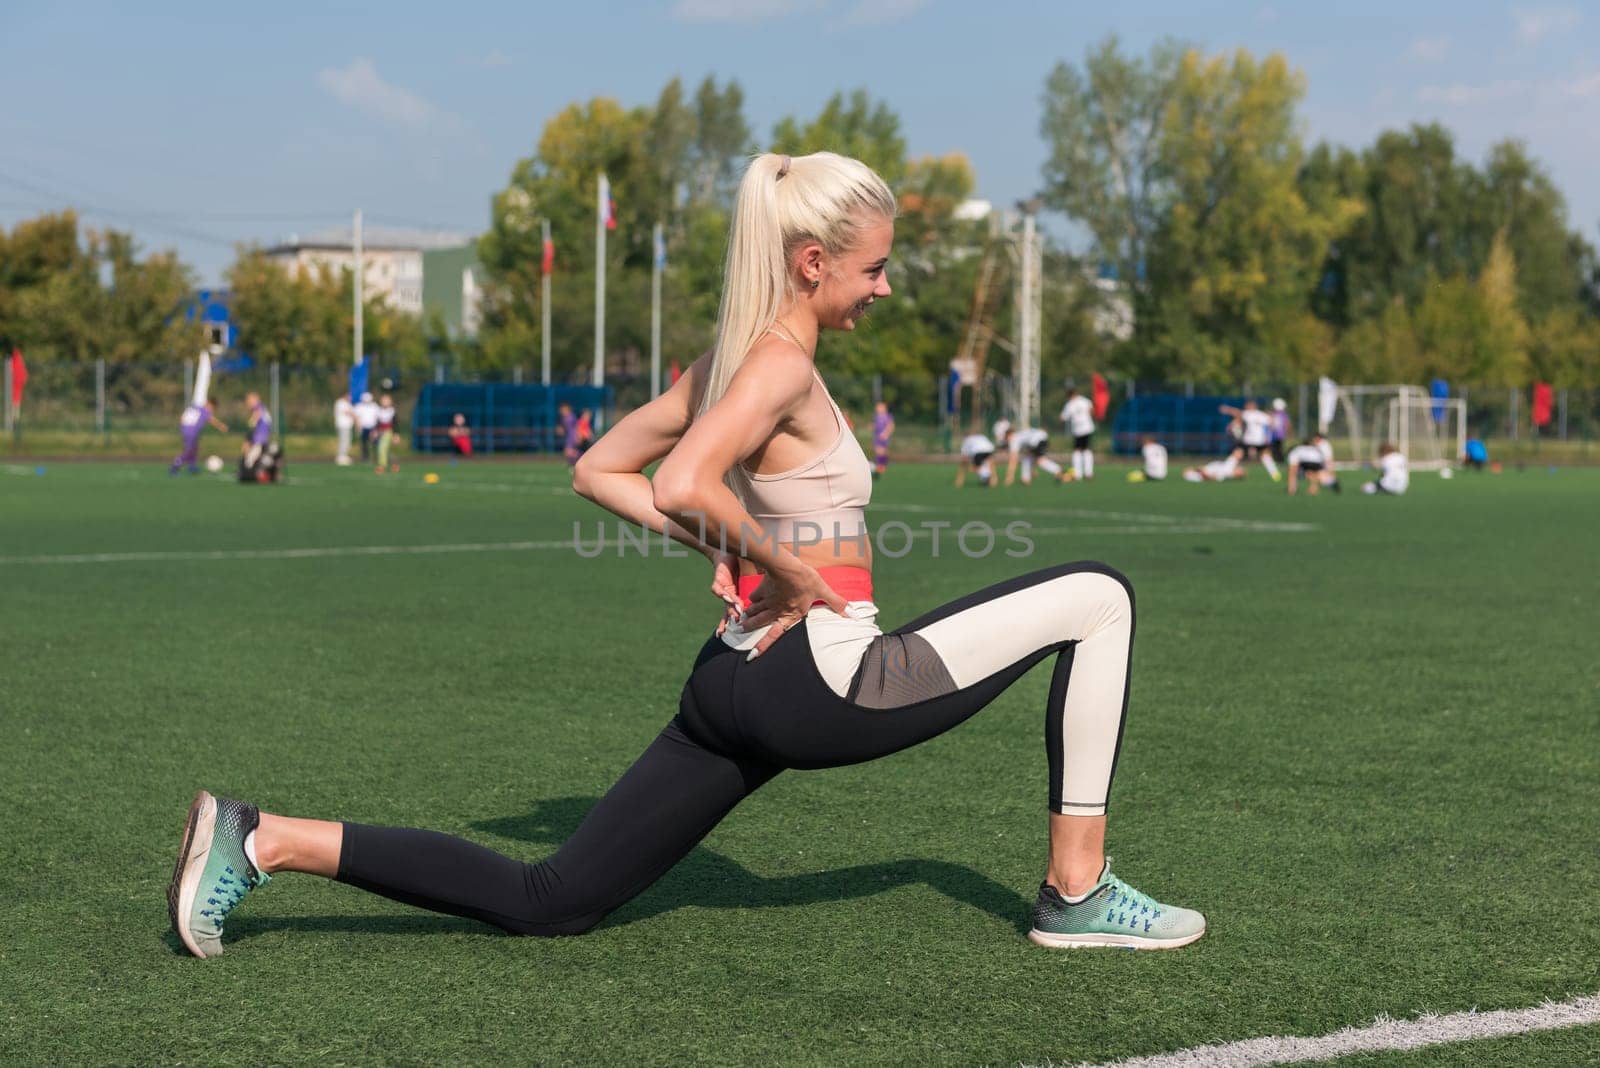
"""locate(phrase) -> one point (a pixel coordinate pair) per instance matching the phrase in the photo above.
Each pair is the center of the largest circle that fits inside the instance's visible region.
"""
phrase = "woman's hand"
(725, 585)
(781, 601)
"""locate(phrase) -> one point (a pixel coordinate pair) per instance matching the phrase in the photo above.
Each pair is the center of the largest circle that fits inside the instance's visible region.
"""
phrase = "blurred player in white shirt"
(1155, 458)
(1225, 470)
(1394, 473)
(976, 450)
(1028, 446)
(1078, 415)
(1314, 460)
(1255, 434)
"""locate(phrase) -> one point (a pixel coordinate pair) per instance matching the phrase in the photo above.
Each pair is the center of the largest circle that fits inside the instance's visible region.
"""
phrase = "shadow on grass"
(707, 879)
(703, 879)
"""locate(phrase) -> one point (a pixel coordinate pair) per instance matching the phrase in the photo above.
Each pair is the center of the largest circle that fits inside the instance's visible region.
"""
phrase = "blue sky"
(199, 126)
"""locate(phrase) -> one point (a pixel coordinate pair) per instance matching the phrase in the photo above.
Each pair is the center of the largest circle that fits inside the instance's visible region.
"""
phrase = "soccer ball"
(213, 464)
(1445, 472)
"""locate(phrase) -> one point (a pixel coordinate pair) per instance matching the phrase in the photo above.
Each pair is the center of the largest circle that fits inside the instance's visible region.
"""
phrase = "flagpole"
(657, 254)
(544, 306)
(602, 207)
(355, 247)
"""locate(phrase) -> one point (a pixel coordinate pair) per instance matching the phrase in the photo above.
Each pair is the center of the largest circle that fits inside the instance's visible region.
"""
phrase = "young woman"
(760, 473)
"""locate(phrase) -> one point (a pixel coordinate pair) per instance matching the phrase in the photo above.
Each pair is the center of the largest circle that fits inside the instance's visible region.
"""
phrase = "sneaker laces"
(230, 889)
(1123, 896)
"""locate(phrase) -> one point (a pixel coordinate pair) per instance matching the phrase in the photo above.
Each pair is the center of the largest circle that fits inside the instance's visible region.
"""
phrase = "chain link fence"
(95, 406)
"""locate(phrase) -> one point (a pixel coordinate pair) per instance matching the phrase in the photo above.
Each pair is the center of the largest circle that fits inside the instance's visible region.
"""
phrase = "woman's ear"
(811, 260)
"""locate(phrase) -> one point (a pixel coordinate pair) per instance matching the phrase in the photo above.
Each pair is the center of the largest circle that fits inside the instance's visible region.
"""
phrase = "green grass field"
(1364, 740)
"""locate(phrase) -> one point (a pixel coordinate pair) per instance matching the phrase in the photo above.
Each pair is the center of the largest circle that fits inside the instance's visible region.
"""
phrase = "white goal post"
(1430, 431)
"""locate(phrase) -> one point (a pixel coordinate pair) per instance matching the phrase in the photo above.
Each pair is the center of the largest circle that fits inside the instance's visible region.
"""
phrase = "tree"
(1240, 246)
(851, 126)
(305, 320)
(1103, 129)
(62, 298)
(1519, 200)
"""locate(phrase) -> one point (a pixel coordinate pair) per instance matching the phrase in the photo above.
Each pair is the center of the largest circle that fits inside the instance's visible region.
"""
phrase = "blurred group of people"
(258, 455)
(1027, 448)
(374, 418)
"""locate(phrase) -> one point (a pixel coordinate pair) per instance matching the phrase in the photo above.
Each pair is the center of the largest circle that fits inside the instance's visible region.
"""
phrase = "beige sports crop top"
(821, 502)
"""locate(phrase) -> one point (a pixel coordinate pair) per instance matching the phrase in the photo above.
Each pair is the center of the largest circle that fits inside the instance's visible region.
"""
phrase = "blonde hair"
(783, 203)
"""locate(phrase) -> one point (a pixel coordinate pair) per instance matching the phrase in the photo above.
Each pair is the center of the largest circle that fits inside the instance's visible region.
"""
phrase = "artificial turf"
(1364, 739)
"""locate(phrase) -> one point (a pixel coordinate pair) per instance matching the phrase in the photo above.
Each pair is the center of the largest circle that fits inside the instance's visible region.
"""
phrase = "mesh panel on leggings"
(897, 670)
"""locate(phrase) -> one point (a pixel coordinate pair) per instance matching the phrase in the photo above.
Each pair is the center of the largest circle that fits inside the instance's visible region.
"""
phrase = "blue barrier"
(1182, 423)
(503, 418)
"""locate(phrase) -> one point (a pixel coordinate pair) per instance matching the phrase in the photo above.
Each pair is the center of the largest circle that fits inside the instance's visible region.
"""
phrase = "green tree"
(852, 125)
(1103, 127)
(1240, 247)
(305, 320)
(670, 163)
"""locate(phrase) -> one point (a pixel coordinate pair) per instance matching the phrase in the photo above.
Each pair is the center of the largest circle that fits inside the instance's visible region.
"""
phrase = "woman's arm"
(611, 473)
(774, 381)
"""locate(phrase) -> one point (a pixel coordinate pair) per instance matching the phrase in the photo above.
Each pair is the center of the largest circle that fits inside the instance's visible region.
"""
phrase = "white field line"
(1382, 1035)
(592, 549)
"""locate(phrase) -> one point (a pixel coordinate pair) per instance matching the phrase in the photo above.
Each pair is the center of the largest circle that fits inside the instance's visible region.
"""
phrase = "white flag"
(1327, 403)
(202, 378)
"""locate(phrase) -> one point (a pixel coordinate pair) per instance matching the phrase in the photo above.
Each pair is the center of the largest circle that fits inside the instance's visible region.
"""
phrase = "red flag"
(676, 372)
(1541, 404)
(549, 263)
(19, 377)
(611, 213)
(1101, 394)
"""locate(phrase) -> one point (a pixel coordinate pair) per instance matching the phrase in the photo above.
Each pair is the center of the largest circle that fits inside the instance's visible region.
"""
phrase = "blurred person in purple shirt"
(568, 421)
(882, 431)
(259, 431)
(192, 424)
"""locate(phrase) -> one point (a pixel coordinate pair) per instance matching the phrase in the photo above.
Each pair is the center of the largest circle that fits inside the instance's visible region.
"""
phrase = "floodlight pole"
(599, 375)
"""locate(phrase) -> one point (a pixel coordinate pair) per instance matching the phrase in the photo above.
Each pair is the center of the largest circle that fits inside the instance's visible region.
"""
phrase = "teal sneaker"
(1114, 915)
(212, 874)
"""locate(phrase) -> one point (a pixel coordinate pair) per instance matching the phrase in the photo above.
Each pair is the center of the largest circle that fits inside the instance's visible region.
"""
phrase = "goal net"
(1430, 431)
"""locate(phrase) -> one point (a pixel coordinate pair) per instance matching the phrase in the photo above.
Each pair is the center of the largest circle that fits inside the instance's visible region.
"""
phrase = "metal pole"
(100, 396)
(655, 311)
(544, 310)
(516, 375)
(358, 281)
(599, 376)
(277, 406)
(1305, 394)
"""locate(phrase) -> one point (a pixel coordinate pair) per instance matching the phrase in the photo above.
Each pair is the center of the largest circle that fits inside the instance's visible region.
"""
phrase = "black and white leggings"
(832, 691)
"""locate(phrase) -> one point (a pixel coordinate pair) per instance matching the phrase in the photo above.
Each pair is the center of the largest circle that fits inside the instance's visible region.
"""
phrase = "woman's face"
(855, 279)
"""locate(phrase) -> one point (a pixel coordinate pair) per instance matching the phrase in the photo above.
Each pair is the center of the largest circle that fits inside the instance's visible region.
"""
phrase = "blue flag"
(358, 380)
(1439, 389)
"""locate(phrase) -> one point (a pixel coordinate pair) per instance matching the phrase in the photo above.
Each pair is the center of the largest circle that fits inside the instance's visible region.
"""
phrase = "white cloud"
(495, 58)
(734, 10)
(1586, 86)
(1471, 94)
(1429, 49)
(360, 86)
(879, 12)
(1534, 24)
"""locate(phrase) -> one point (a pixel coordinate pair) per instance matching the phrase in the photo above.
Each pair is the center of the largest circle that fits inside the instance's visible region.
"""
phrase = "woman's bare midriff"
(820, 556)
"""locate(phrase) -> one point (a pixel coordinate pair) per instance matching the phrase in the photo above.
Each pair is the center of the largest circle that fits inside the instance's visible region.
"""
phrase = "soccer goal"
(1430, 431)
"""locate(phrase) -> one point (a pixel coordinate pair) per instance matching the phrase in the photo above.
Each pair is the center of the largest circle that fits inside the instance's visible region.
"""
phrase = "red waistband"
(851, 583)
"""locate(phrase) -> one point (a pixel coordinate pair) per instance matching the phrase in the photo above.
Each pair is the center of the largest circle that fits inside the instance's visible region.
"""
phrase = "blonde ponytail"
(782, 203)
